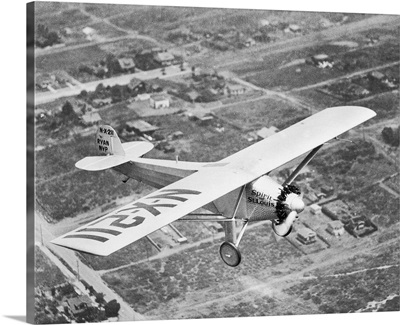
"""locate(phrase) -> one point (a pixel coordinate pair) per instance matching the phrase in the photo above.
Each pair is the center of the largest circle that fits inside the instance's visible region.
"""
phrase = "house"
(315, 209)
(91, 118)
(156, 50)
(325, 23)
(140, 127)
(335, 228)
(249, 42)
(99, 102)
(159, 101)
(142, 97)
(264, 22)
(357, 222)
(99, 71)
(358, 90)
(311, 196)
(126, 64)
(176, 135)
(164, 58)
(377, 76)
(306, 236)
(136, 86)
(235, 90)
(78, 304)
(206, 120)
(193, 95)
(294, 28)
(327, 190)
(182, 240)
(322, 60)
(266, 132)
(89, 32)
(43, 82)
(156, 88)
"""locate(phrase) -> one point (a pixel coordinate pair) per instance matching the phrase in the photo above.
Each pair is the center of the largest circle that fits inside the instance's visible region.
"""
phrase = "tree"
(391, 136)
(53, 38)
(99, 89)
(112, 308)
(99, 297)
(67, 109)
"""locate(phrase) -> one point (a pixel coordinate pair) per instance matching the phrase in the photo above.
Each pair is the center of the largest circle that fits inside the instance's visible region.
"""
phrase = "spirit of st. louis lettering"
(261, 198)
(130, 217)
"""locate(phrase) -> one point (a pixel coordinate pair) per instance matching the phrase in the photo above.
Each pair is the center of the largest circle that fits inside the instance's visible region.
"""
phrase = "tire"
(230, 254)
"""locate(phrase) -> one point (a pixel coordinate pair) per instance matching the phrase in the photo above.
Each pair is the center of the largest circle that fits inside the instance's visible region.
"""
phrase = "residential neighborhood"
(201, 84)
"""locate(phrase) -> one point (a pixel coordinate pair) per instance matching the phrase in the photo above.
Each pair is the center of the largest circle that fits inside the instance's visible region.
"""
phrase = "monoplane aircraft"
(236, 190)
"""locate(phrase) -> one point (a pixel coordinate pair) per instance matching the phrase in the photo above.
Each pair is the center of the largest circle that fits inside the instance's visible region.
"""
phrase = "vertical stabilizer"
(107, 141)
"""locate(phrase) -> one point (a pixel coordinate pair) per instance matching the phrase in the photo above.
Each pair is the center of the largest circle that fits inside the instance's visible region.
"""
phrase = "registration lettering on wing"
(132, 215)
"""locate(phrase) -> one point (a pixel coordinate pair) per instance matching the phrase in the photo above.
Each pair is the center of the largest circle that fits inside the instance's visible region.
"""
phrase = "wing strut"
(305, 161)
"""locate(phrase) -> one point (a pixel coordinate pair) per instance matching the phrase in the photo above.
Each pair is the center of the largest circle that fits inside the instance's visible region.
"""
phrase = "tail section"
(108, 141)
(117, 153)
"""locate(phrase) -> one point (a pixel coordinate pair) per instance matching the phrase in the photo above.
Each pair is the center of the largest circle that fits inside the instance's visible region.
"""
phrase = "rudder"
(107, 141)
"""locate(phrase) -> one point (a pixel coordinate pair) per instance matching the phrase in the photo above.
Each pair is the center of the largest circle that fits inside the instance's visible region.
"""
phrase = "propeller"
(290, 204)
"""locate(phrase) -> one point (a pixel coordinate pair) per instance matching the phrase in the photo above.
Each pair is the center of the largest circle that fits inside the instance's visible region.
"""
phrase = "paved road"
(46, 97)
(308, 40)
(351, 75)
(44, 232)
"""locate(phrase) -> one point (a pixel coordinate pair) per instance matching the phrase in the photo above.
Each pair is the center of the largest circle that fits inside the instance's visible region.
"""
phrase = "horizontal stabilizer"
(132, 150)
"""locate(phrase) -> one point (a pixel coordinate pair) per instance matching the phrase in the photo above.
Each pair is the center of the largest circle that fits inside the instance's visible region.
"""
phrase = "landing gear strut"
(229, 251)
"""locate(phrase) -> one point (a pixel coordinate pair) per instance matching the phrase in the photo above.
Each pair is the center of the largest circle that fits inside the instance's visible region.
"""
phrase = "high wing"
(298, 139)
(144, 216)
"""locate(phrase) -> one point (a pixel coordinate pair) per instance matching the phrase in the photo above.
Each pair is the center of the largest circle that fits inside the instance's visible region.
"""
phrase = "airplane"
(235, 191)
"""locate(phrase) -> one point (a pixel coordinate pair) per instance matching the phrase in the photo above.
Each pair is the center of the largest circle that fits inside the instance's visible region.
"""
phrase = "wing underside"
(152, 212)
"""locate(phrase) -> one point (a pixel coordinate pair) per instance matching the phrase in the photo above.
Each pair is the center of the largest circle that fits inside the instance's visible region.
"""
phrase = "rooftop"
(164, 56)
(142, 126)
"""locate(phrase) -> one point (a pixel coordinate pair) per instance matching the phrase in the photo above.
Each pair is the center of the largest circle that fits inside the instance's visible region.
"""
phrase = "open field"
(108, 10)
(296, 76)
(353, 282)
(61, 15)
(379, 205)
(195, 269)
(352, 166)
(261, 113)
(153, 20)
(69, 60)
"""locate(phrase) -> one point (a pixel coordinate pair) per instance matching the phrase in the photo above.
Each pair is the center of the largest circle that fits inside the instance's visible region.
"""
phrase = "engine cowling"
(268, 200)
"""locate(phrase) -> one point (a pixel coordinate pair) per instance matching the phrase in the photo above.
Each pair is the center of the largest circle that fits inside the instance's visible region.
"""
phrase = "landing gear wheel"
(230, 254)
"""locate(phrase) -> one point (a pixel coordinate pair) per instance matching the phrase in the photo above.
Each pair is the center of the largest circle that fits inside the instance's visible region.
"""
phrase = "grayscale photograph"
(199, 162)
